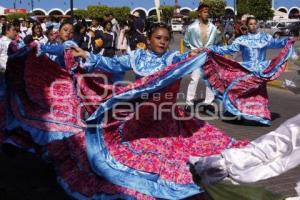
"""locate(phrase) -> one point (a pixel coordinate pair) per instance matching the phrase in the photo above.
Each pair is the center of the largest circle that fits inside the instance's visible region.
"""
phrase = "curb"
(276, 84)
(279, 84)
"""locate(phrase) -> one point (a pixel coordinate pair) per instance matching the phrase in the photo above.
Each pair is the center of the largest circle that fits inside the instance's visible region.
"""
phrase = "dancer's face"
(11, 33)
(159, 41)
(204, 14)
(252, 26)
(66, 32)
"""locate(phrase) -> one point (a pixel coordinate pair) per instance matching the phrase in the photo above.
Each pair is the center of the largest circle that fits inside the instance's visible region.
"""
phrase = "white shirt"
(4, 44)
(116, 27)
(23, 30)
(42, 40)
(44, 27)
(98, 28)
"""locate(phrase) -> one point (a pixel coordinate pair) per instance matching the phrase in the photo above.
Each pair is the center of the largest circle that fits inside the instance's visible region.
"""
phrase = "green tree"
(97, 11)
(193, 14)
(120, 13)
(261, 9)
(81, 13)
(167, 13)
(216, 7)
(242, 7)
(13, 16)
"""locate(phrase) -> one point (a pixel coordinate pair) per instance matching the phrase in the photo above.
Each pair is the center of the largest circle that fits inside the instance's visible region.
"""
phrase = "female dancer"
(22, 102)
(65, 33)
(242, 87)
(146, 63)
(133, 148)
(8, 46)
(9, 33)
(141, 156)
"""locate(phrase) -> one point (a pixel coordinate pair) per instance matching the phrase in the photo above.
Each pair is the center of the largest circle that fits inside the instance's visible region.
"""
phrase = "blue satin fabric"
(142, 62)
(254, 48)
(56, 51)
(232, 109)
(105, 165)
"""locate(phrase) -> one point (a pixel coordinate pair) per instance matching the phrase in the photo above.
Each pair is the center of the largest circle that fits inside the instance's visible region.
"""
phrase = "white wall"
(2, 10)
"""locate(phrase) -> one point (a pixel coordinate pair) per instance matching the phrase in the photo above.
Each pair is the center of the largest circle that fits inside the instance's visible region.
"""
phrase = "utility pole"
(235, 7)
(32, 5)
(72, 8)
(176, 3)
(177, 7)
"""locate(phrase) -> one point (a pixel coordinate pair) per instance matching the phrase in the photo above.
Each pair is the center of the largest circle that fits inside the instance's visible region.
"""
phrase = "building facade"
(291, 7)
(145, 7)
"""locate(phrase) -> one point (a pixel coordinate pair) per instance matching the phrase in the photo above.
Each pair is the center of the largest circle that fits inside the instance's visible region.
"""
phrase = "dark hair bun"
(156, 26)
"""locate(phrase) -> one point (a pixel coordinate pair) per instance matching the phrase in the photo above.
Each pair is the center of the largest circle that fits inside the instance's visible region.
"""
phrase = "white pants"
(268, 156)
(192, 89)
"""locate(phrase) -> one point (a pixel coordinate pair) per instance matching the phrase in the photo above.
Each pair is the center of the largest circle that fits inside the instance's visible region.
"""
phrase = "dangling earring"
(148, 44)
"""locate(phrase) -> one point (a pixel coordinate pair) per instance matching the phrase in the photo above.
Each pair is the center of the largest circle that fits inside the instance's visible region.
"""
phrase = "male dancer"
(200, 34)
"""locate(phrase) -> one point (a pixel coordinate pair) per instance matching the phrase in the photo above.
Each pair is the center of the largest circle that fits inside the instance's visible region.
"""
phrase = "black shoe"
(209, 108)
(188, 109)
(206, 108)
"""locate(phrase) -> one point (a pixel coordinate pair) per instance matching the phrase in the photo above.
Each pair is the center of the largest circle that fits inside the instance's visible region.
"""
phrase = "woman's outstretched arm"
(116, 64)
(227, 49)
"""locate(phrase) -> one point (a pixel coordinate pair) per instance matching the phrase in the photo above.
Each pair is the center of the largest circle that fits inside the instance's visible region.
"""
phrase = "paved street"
(28, 178)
